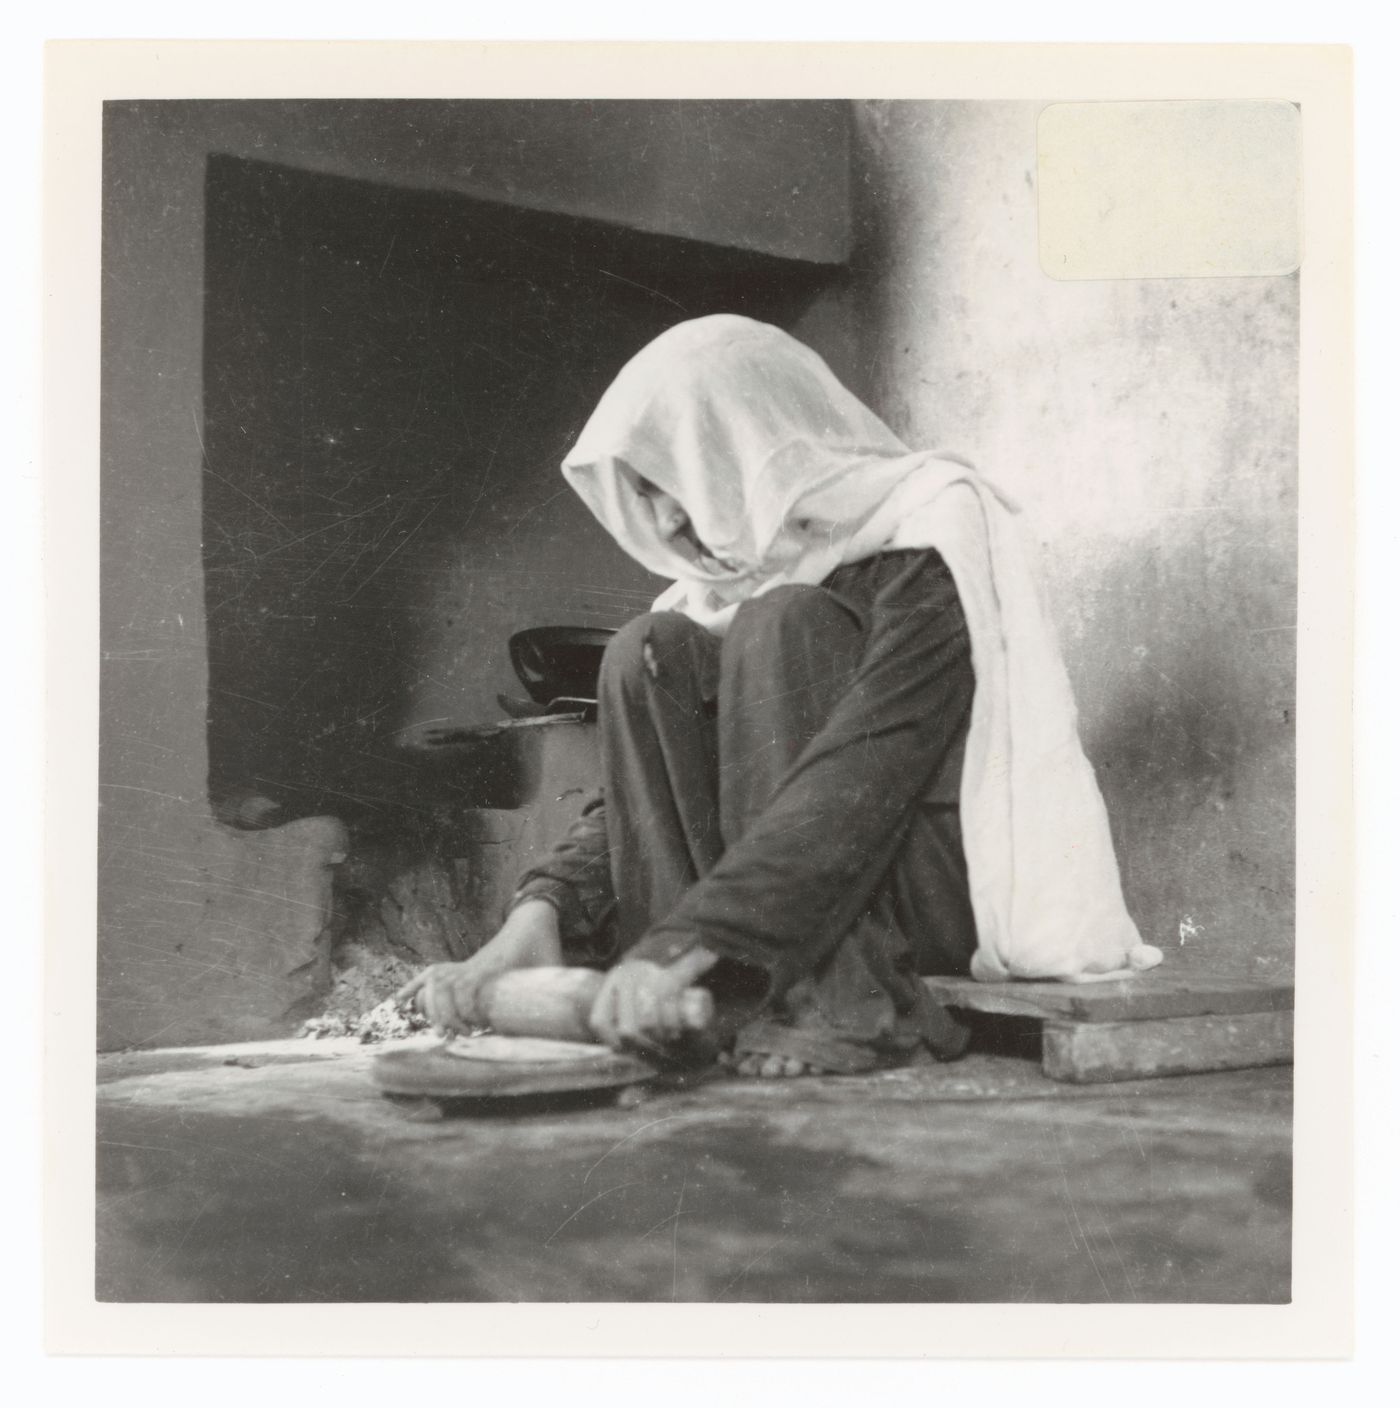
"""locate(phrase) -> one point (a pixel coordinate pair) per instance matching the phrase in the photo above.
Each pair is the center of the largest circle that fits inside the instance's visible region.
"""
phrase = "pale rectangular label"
(1149, 190)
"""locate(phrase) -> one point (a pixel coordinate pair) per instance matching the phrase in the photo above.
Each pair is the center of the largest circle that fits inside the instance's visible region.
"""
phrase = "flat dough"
(519, 1050)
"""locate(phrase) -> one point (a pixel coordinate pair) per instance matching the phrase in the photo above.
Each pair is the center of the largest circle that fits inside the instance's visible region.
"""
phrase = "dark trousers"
(698, 736)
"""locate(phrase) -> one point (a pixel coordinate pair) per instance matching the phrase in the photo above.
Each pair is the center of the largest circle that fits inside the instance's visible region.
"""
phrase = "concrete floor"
(275, 1172)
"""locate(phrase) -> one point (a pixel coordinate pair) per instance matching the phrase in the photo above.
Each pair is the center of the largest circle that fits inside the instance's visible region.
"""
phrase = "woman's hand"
(639, 1004)
(448, 994)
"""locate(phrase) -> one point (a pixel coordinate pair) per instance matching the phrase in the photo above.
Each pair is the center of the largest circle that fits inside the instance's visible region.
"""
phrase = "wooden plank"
(1087, 1052)
(1146, 997)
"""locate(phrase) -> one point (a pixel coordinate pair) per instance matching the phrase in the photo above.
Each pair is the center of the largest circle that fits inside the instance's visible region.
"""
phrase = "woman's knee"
(790, 614)
(648, 649)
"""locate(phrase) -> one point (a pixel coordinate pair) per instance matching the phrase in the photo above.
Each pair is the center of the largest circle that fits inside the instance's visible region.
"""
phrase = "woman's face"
(674, 525)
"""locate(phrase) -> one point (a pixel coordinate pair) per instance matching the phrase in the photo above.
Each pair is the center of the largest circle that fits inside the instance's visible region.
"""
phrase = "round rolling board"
(489, 1067)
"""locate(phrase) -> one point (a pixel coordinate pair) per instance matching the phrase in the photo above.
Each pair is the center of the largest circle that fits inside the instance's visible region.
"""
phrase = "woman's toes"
(755, 1064)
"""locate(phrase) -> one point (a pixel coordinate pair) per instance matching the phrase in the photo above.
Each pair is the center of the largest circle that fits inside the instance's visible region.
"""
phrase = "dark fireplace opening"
(391, 378)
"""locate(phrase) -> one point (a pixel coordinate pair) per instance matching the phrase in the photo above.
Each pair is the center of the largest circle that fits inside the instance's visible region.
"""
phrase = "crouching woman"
(839, 755)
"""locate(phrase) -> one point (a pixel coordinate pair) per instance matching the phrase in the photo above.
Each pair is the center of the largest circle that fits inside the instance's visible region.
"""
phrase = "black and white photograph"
(698, 699)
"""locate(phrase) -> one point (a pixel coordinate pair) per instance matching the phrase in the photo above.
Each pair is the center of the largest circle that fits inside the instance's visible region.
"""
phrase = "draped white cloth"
(785, 476)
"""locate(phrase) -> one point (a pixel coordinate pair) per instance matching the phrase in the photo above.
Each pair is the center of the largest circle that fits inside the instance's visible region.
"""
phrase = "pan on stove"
(558, 665)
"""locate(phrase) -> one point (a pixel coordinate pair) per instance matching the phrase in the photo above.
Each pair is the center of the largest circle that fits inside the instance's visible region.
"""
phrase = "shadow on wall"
(392, 377)
(1191, 728)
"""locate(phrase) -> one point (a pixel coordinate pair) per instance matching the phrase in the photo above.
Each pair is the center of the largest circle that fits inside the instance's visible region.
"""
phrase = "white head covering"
(785, 476)
(778, 466)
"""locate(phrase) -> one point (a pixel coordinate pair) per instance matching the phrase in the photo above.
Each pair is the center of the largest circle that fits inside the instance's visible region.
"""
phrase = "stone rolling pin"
(555, 1003)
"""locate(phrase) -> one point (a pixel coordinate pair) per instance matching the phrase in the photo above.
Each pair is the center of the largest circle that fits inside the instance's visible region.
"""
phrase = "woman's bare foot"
(769, 1049)
(758, 1066)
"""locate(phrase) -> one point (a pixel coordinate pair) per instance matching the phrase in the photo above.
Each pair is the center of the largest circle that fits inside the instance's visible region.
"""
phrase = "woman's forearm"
(575, 878)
